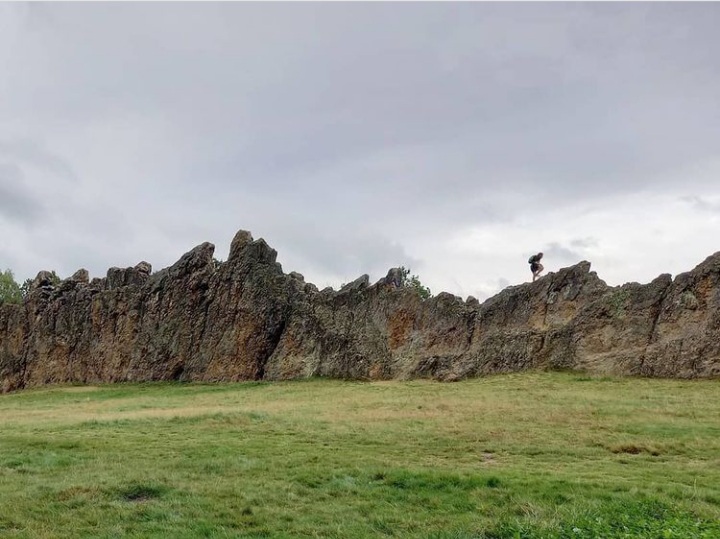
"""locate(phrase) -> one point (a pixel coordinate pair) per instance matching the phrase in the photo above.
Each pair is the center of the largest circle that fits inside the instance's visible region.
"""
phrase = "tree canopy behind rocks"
(9, 289)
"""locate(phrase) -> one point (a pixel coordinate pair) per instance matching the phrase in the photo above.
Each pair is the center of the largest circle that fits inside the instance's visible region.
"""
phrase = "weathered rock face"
(245, 319)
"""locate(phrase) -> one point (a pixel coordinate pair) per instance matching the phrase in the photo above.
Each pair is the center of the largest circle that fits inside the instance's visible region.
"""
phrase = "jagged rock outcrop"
(245, 319)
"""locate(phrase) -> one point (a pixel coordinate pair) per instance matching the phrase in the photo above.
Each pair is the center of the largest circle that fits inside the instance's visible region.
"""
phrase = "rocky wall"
(245, 319)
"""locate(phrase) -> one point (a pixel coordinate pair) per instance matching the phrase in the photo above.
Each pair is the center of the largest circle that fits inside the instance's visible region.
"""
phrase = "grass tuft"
(493, 482)
(140, 492)
(633, 449)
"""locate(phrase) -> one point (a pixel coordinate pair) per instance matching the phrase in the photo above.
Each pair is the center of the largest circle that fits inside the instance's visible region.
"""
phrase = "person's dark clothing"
(534, 262)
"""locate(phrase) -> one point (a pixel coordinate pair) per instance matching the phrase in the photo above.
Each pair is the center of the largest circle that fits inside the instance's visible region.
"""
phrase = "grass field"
(534, 455)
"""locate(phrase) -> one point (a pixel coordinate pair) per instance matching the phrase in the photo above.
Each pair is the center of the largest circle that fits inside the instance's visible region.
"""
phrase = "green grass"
(534, 455)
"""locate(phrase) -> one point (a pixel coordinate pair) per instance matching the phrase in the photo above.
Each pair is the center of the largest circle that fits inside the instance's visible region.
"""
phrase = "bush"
(25, 287)
(9, 289)
(413, 281)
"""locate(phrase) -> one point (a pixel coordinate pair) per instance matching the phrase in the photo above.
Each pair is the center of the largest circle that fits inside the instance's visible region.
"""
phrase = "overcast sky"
(454, 138)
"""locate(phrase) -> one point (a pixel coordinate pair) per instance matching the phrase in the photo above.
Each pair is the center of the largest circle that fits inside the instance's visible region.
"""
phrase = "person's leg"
(536, 270)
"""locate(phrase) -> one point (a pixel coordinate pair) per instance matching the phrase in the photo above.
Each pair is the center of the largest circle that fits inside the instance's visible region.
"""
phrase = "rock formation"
(245, 319)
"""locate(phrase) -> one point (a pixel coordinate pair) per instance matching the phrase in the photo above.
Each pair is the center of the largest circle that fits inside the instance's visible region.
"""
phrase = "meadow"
(531, 455)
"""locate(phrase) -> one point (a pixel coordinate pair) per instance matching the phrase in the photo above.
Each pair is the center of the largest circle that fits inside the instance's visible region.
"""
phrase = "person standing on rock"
(535, 266)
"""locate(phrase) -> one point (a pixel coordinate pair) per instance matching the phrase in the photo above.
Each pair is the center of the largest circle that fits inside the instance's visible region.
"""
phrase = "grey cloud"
(584, 243)
(700, 204)
(16, 204)
(7, 261)
(82, 252)
(502, 283)
(529, 124)
(98, 222)
(385, 93)
(34, 154)
(560, 253)
(495, 286)
(345, 255)
(338, 130)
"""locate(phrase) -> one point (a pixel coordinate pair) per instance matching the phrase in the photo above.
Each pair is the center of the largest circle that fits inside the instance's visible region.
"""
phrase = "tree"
(413, 282)
(9, 289)
(25, 287)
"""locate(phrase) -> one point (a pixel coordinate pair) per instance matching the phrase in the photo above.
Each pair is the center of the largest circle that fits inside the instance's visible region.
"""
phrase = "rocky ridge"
(245, 319)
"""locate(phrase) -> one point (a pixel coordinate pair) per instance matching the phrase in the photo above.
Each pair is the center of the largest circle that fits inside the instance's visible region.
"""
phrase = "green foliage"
(9, 289)
(25, 287)
(11, 292)
(413, 282)
(54, 278)
(689, 300)
(618, 302)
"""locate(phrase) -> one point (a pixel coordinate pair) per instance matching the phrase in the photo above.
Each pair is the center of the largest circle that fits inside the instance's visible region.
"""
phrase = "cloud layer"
(454, 138)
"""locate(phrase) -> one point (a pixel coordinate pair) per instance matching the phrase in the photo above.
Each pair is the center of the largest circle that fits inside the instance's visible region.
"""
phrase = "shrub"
(413, 282)
(9, 289)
